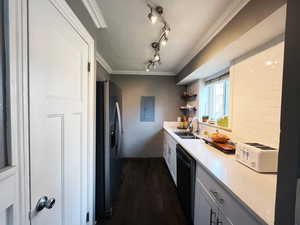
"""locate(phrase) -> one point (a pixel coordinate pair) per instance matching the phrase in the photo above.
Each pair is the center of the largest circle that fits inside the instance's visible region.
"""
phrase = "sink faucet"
(190, 125)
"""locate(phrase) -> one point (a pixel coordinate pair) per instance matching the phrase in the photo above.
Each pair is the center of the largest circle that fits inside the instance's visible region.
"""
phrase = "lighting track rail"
(156, 14)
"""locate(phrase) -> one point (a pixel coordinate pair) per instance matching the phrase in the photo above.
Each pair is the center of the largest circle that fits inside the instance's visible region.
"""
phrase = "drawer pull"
(219, 222)
(212, 214)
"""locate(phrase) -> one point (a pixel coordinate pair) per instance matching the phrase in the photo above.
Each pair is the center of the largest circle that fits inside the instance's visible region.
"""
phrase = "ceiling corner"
(95, 13)
(103, 63)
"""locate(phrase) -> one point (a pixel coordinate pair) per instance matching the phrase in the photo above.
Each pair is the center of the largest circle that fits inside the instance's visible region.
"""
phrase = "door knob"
(50, 203)
(44, 202)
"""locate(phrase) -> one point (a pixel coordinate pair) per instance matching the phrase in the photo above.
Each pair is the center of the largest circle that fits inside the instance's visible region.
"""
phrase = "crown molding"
(95, 12)
(103, 63)
(141, 72)
(226, 17)
(109, 70)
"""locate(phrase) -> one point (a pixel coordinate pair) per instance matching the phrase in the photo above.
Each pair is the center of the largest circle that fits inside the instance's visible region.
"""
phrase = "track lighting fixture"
(155, 46)
(166, 29)
(151, 65)
(159, 10)
(152, 17)
(155, 14)
(156, 57)
(148, 68)
(164, 40)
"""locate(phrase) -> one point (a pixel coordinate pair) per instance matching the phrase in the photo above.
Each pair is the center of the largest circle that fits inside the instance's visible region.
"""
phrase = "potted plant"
(205, 119)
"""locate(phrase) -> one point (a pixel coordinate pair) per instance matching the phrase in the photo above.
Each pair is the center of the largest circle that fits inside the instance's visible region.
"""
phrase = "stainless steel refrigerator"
(108, 146)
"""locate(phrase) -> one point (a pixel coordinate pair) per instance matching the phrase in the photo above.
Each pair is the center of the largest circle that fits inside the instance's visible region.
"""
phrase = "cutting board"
(226, 148)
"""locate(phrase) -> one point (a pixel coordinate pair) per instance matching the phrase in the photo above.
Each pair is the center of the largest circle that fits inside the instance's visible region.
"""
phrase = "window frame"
(209, 97)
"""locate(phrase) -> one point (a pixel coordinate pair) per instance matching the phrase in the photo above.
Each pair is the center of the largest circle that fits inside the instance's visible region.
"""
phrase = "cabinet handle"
(219, 222)
(212, 213)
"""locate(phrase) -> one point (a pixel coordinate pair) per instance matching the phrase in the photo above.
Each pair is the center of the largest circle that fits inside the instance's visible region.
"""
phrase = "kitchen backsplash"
(203, 128)
(256, 87)
(254, 115)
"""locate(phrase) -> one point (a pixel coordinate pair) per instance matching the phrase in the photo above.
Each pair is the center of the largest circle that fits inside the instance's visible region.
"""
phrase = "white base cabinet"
(205, 209)
(170, 155)
(216, 206)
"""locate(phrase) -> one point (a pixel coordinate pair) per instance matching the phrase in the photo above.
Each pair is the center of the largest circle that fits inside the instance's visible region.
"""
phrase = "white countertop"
(256, 190)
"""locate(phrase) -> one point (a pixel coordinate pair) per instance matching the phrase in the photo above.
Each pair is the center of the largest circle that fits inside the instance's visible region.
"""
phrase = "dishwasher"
(186, 172)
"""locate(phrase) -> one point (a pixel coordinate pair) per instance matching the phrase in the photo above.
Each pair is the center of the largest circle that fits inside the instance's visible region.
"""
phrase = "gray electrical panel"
(147, 108)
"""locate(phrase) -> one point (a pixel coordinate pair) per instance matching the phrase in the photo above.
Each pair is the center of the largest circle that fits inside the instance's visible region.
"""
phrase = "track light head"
(152, 18)
(167, 30)
(149, 65)
(164, 41)
(155, 46)
(156, 57)
(159, 10)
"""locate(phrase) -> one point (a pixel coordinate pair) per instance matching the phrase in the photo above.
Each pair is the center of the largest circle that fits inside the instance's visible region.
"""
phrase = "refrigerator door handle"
(120, 128)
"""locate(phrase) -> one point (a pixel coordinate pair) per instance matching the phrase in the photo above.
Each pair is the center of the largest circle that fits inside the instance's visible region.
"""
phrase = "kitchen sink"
(186, 135)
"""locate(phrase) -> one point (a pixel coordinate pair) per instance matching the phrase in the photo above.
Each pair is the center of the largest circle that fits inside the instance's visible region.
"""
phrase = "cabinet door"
(168, 158)
(165, 150)
(223, 220)
(174, 163)
(205, 210)
(230, 207)
(165, 147)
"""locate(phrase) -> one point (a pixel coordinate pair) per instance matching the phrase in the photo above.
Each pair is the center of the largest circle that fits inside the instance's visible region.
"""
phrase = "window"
(214, 98)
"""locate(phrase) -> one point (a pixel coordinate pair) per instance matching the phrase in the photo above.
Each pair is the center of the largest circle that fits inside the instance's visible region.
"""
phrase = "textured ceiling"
(125, 43)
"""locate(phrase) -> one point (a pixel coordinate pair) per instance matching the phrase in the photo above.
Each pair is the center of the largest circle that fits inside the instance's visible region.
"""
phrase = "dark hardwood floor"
(147, 196)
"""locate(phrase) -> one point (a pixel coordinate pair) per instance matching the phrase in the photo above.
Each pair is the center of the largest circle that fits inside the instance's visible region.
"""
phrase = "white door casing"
(13, 179)
(58, 96)
(15, 197)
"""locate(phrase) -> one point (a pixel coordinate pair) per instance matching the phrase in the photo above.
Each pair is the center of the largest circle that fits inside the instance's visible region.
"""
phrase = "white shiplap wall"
(256, 86)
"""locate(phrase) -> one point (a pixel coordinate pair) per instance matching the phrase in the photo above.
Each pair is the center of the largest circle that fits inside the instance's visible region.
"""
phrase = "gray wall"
(252, 14)
(145, 139)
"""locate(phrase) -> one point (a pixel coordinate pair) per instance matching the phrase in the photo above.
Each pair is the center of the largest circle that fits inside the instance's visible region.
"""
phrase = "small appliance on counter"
(221, 142)
(258, 157)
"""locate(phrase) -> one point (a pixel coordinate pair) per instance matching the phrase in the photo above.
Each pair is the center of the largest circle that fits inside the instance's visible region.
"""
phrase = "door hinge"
(88, 217)
(89, 67)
